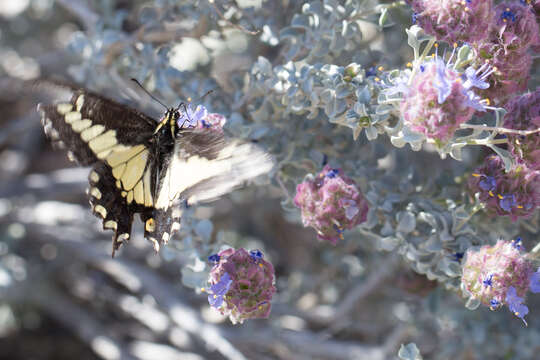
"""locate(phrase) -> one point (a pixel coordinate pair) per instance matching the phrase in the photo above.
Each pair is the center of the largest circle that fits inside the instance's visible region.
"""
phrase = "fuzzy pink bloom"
(515, 193)
(494, 272)
(454, 20)
(524, 114)
(513, 32)
(436, 102)
(331, 203)
(242, 284)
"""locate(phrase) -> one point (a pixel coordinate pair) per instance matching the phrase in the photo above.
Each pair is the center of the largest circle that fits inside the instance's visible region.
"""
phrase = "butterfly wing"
(117, 141)
(204, 165)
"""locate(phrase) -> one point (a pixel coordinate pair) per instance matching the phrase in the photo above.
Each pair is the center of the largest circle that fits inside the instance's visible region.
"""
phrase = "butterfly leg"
(108, 204)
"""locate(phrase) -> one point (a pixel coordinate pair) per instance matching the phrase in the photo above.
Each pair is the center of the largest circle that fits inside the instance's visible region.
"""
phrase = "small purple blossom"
(331, 203)
(515, 193)
(515, 304)
(214, 258)
(498, 275)
(218, 290)
(453, 20)
(242, 285)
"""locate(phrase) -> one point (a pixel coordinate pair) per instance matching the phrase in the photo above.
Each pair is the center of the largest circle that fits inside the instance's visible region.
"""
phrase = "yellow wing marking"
(118, 157)
(92, 132)
(64, 108)
(80, 102)
(138, 192)
(135, 169)
(147, 188)
(72, 116)
(81, 125)
(103, 142)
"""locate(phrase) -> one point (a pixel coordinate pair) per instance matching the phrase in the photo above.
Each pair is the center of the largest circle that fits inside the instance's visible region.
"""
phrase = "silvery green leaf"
(406, 222)
(343, 90)
(300, 21)
(415, 36)
(409, 352)
(472, 304)
(204, 229)
(455, 150)
(505, 155)
(428, 218)
(371, 133)
(388, 243)
(387, 229)
(194, 279)
(363, 95)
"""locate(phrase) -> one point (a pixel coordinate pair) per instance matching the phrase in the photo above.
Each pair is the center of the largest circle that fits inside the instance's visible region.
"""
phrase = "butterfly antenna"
(148, 93)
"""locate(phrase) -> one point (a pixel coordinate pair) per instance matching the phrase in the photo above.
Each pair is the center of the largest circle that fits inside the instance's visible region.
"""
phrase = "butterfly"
(143, 166)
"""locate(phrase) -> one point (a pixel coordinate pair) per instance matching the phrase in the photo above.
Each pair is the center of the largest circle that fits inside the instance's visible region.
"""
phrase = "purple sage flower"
(241, 284)
(331, 203)
(497, 275)
(454, 20)
(515, 193)
(514, 31)
(523, 113)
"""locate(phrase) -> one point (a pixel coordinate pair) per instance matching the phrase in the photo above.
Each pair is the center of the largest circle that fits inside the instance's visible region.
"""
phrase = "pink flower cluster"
(523, 113)
(241, 284)
(500, 274)
(514, 30)
(437, 102)
(515, 193)
(453, 20)
(331, 203)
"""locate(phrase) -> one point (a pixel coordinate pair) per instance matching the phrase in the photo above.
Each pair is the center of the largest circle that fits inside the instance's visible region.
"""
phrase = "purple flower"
(218, 290)
(242, 285)
(515, 304)
(330, 203)
(214, 258)
(473, 80)
(515, 193)
(534, 285)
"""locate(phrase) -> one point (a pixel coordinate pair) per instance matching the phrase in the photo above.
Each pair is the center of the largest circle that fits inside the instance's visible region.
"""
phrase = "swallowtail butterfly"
(140, 165)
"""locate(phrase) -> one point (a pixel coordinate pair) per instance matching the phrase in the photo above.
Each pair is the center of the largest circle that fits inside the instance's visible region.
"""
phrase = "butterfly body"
(142, 166)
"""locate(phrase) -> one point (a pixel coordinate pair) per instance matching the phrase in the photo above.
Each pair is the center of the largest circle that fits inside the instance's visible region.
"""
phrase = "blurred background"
(63, 297)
